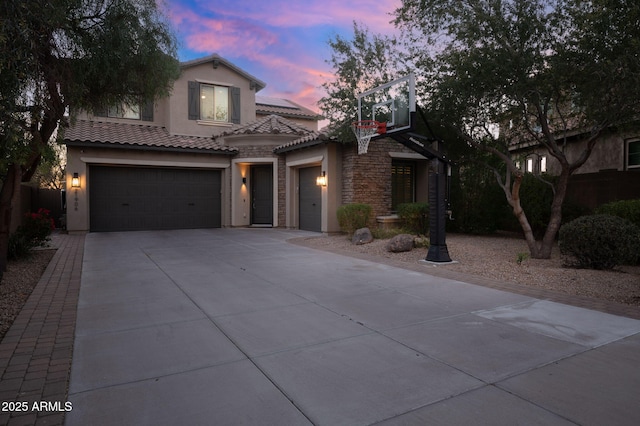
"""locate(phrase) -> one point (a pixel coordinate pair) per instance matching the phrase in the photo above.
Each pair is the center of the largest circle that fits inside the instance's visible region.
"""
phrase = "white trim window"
(214, 102)
(542, 164)
(529, 165)
(633, 154)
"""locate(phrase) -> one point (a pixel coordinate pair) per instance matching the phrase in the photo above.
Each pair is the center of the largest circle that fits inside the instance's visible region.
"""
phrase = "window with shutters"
(403, 183)
(214, 103)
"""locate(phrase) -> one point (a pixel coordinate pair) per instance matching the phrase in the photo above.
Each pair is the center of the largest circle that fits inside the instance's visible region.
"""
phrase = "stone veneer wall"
(366, 178)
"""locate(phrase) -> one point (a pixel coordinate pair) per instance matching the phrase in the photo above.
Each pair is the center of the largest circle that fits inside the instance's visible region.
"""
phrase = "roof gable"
(217, 60)
(271, 124)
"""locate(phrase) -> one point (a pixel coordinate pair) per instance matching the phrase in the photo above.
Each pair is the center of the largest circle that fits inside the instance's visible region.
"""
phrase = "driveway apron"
(237, 326)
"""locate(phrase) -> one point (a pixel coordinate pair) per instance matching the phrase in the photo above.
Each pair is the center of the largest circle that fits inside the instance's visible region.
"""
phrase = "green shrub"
(353, 216)
(34, 232)
(600, 241)
(478, 203)
(626, 209)
(414, 217)
(19, 247)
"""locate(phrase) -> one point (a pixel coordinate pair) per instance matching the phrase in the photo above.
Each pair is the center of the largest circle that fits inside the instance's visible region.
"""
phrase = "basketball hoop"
(365, 130)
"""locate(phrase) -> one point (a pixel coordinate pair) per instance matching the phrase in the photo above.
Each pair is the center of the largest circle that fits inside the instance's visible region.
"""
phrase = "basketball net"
(364, 131)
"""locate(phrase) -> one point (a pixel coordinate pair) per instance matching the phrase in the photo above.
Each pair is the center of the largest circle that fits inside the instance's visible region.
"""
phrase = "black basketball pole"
(438, 251)
(438, 177)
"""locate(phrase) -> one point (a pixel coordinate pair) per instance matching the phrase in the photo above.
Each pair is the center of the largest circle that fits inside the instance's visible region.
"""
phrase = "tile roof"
(271, 124)
(312, 139)
(284, 108)
(137, 135)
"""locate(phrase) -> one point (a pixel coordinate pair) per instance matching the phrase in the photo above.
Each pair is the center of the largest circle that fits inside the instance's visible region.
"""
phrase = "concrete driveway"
(237, 326)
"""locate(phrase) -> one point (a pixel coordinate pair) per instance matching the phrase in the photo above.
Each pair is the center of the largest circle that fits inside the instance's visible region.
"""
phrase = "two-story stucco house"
(611, 173)
(216, 154)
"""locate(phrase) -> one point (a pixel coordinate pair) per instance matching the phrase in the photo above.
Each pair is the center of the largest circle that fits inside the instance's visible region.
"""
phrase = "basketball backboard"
(392, 103)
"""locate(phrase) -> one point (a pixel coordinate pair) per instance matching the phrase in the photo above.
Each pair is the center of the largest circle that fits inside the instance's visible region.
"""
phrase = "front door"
(262, 195)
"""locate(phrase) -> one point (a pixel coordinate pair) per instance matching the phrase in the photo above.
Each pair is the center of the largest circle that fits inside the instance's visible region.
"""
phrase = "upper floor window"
(529, 165)
(215, 103)
(125, 111)
(143, 111)
(534, 164)
(633, 154)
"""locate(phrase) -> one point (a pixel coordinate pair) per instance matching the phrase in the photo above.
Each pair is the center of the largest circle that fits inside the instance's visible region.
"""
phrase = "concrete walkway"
(237, 326)
(240, 327)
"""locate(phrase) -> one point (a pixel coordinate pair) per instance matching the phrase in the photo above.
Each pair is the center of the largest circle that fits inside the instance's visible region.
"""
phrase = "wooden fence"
(594, 189)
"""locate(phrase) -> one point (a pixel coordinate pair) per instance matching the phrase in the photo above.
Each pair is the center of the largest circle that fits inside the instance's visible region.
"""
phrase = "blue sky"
(281, 42)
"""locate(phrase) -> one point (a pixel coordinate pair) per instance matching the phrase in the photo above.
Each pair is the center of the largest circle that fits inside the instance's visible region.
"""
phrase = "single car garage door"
(310, 200)
(145, 198)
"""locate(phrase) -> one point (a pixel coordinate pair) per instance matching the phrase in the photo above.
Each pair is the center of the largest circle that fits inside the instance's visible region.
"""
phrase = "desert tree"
(510, 74)
(361, 63)
(58, 55)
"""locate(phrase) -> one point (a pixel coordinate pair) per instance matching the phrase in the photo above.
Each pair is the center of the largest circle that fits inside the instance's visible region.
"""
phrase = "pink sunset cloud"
(293, 78)
(287, 13)
(207, 35)
(282, 42)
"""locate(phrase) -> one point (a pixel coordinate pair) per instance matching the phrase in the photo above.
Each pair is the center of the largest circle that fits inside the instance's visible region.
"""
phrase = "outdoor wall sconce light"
(322, 180)
(75, 184)
(244, 180)
(75, 181)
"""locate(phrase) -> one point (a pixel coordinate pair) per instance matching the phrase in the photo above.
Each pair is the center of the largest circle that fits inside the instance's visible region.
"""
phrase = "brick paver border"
(35, 354)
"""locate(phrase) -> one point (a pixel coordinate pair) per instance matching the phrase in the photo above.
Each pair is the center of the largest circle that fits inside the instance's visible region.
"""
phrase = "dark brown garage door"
(140, 198)
(310, 200)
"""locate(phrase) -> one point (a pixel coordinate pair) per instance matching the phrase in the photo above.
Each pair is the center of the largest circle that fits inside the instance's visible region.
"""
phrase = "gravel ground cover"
(506, 259)
(17, 284)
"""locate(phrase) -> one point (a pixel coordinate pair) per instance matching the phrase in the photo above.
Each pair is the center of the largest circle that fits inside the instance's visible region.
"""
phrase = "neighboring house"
(215, 154)
(611, 173)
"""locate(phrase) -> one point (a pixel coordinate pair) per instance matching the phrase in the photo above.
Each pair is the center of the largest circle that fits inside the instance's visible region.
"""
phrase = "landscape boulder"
(400, 243)
(362, 236)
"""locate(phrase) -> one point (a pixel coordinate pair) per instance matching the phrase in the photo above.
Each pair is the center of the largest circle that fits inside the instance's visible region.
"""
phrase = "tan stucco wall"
(80, 159)
(607, 154)
(173, 112)
(178, 120)
(329, 158)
